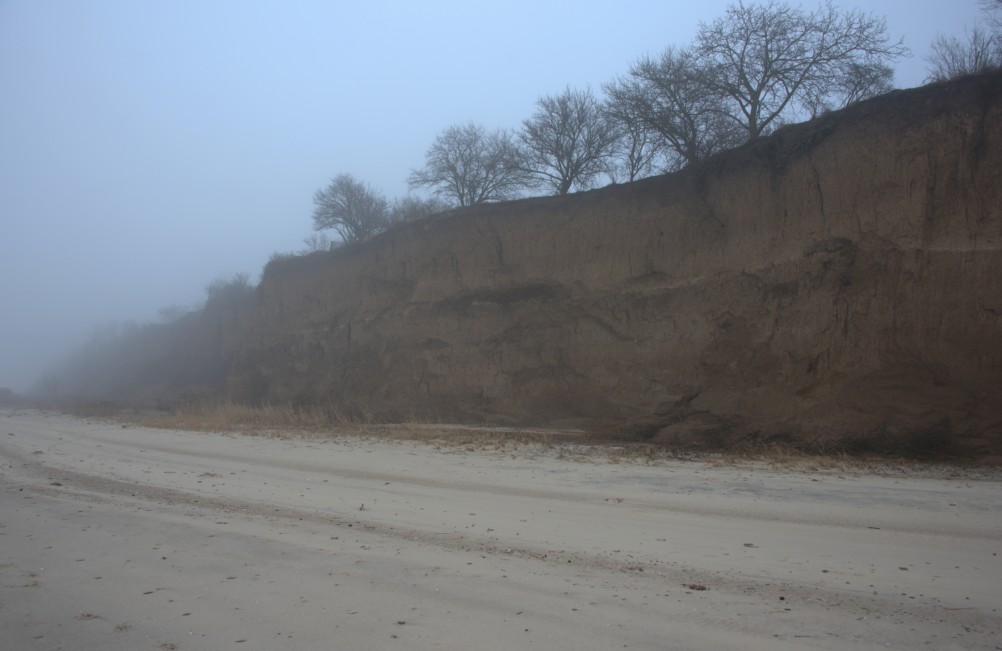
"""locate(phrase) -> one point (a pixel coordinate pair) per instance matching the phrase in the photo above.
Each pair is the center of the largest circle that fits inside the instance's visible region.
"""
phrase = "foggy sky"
(147, 148)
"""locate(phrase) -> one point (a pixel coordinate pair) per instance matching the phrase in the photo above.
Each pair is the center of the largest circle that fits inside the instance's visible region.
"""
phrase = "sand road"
(131, 538)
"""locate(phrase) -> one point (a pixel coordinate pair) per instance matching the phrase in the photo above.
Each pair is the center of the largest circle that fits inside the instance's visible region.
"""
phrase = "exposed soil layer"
(835, 284)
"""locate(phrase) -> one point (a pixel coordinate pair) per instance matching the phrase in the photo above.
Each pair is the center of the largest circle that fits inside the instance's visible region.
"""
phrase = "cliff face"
(840, 278)
(156, 363)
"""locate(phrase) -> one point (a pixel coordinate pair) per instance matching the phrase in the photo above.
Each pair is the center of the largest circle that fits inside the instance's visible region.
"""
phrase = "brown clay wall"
(840, 278)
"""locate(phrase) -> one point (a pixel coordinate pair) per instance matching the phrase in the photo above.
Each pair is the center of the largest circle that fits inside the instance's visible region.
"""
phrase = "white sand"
(130, 538)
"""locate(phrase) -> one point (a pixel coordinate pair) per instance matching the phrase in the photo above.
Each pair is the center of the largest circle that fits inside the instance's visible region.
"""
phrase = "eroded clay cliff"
(839, 279)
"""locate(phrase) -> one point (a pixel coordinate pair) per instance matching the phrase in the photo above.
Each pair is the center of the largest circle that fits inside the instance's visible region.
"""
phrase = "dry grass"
(227, 416)
(332, 421)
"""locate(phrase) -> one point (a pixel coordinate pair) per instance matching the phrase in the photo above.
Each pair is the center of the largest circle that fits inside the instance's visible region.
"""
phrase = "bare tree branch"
(855, 82)
(569, 140)
(771, 59)
(951, 57)
(410, 208)
(467, 165)
(670, 97)
(992, 11)
(352, 208)
(640, 150)
(317, 243)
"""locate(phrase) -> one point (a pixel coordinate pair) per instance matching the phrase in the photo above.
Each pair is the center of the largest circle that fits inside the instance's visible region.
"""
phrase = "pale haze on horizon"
(148, 148)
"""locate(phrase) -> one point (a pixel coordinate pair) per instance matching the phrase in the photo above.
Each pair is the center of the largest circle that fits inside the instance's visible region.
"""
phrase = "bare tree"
(770, 59)
(410, 208)
(316, 243)
(992, 11)
(467, 165)
(951, 57)
(671, 97)
(569, 140)
(352, 208)
(857, 82)
(639, 152)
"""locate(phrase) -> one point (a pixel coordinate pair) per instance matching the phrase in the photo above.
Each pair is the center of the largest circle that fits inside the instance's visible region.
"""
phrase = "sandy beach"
(116, 537)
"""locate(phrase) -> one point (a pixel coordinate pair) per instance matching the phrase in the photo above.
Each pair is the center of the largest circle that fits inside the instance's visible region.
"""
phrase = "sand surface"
(132, 538)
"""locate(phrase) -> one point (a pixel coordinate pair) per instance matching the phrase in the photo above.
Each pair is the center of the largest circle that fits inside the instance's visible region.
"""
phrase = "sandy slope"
(115, 538)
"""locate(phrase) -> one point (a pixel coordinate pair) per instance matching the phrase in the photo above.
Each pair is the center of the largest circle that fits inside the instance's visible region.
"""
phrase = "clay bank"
(838, 280)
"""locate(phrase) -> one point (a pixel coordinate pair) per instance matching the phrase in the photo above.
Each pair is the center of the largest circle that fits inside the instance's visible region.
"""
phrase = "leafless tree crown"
(352, 208)
(951, 57)
(749, 71)
(768, 60)
(467, 165)
(980, 50)
(568, 141)
(669, 97)
(411, 207)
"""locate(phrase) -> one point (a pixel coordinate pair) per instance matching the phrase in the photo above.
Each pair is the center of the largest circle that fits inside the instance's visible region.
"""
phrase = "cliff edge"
(838, 280)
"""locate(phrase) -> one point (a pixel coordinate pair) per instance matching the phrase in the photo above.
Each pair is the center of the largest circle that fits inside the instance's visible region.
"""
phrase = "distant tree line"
(750, 71)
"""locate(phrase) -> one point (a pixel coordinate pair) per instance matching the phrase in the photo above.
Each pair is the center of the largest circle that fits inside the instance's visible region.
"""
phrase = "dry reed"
(331, 421)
